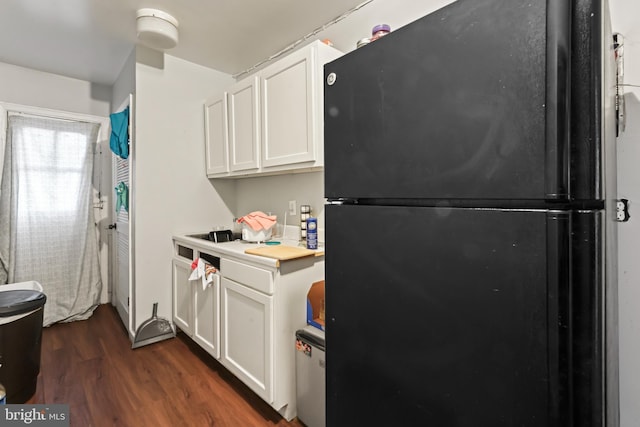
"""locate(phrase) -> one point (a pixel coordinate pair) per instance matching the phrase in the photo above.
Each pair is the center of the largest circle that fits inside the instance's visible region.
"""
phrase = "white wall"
(39, 89)
(272, 194)
(125, 84)
(172, 192)
(625, 20)
(395, 13)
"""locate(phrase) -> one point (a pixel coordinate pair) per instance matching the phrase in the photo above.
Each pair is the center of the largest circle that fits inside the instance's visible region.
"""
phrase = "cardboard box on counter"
(315, 305)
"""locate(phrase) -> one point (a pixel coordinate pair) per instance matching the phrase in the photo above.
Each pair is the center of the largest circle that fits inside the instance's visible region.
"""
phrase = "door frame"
(126, 313)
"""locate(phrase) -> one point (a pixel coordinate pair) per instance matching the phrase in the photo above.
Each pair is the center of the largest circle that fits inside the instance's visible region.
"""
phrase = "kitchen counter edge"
(235, 249)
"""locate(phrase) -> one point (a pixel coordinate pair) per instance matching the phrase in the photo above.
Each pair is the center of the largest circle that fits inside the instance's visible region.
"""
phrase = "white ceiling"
(91, 39)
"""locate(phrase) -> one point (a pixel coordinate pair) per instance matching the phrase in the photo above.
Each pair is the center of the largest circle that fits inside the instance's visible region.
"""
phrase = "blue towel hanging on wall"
(119, 142)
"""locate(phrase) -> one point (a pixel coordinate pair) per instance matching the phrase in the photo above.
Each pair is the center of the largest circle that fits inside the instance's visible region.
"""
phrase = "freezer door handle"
(557, 106)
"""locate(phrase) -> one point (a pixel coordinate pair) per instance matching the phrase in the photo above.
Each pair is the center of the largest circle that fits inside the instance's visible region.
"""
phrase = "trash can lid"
(311, 338)
(20, 301)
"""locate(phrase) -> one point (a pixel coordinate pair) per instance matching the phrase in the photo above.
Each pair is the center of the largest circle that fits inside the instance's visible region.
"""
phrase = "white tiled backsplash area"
(292, 232)
(273, 193)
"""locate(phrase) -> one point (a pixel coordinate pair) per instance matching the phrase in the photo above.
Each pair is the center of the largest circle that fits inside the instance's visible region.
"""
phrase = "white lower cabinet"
(247, 329)
(182, 305)
(261, 309)
(196, 310)
(206, 319)
(248, 318)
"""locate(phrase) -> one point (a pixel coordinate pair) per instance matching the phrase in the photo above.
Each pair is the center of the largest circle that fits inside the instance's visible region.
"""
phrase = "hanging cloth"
(51, 166)
(119, 142)
(204, 271)
(122, 197)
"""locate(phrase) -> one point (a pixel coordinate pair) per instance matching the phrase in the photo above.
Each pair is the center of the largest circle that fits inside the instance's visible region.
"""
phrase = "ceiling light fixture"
(157, 29)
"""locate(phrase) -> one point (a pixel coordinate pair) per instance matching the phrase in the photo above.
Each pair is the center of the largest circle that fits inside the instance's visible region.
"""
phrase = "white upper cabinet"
(244, 125)
(289, 111)
(215, 131)
(275, 118)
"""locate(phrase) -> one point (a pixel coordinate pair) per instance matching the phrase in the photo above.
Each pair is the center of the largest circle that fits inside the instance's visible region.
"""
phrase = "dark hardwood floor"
(90, 366)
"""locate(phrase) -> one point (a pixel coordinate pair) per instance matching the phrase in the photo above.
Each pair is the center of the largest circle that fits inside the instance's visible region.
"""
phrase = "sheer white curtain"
(46, 213)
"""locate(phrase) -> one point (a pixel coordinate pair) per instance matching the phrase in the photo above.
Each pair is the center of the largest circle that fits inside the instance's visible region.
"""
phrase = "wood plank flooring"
(90, 366)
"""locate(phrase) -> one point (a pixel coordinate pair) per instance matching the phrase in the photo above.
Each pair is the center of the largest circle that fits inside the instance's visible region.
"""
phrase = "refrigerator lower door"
(463, 317)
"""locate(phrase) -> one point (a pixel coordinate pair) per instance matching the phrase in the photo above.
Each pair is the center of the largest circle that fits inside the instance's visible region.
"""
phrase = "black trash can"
(21, 313)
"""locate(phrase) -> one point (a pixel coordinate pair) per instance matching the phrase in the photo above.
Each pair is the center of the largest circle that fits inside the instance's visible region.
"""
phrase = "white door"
(122, 247)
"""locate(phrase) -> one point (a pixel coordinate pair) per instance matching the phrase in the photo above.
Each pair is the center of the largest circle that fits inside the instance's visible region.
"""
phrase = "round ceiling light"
(157, 29)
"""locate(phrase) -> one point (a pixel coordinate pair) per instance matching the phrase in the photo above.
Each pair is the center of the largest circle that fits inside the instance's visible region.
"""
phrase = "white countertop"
(237, 248)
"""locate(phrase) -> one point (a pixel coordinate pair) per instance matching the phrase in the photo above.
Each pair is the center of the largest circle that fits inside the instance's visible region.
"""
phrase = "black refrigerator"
(470, 220)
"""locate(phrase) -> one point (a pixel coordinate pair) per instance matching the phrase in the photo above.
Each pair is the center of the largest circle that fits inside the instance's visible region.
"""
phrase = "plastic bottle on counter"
(312, 233)
(379, 30)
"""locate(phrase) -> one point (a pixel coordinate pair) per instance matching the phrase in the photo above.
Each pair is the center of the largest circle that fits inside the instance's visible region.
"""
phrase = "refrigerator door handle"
(558, 100)
(559, 319)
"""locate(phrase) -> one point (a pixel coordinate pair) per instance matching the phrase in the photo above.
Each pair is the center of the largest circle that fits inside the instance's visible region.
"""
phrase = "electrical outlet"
(292, 207)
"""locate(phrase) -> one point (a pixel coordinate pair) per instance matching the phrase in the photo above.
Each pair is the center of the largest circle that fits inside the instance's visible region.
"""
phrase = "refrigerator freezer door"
(470, 102)
(478, 317)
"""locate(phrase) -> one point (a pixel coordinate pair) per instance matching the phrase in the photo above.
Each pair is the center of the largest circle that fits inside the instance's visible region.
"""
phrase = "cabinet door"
(289, 110)
(182, 296)
(206, 323)
(216, 136)
(244, 125)
(247, 325)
